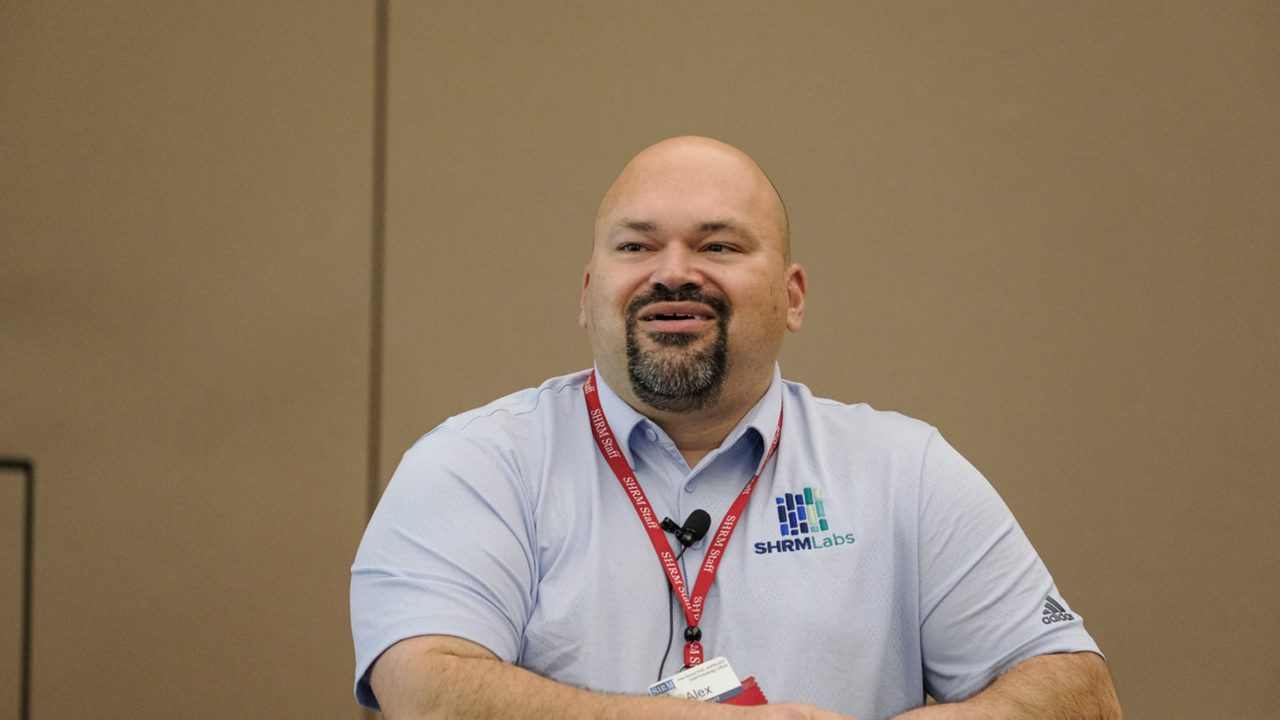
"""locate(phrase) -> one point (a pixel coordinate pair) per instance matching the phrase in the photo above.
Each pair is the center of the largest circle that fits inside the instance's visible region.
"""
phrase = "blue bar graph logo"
(801, 513)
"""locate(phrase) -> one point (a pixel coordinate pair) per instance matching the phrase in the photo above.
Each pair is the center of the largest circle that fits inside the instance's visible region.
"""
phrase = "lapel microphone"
(694, 529)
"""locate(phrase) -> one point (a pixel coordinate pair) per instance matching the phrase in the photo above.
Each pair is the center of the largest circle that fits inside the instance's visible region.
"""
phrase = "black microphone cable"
(671, 619)
(694, 529)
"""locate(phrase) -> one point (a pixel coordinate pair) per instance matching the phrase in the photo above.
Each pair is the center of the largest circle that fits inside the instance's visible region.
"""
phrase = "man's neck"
(694, 437)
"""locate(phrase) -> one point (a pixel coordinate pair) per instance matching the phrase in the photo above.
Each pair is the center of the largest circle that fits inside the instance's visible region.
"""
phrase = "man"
(515, 567)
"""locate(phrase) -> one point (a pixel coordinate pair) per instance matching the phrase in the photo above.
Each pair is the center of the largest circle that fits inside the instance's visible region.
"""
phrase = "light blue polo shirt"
(873, 563)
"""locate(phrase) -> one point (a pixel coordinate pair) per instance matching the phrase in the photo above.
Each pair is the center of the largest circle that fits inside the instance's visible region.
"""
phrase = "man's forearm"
(1064, 686)
(442, 677)
(475, 688)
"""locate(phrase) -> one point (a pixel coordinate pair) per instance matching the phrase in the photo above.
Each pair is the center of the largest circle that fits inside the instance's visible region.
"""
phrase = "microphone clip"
(693, 530)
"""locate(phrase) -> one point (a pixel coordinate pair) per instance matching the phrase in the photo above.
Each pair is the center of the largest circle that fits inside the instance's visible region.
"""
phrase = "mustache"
(684, 293)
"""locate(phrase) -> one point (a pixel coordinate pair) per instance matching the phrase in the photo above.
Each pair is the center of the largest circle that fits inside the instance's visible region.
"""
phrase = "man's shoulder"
(519, 412)
(859, 418)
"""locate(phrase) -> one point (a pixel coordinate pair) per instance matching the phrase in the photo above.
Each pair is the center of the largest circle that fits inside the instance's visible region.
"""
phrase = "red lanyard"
(693, 603)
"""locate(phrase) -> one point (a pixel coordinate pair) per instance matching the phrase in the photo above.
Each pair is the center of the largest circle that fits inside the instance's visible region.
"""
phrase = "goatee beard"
(672, 381)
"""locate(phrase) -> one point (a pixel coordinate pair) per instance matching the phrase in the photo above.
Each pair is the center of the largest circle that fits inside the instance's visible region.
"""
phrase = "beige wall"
(1049, 230)
(184, 284)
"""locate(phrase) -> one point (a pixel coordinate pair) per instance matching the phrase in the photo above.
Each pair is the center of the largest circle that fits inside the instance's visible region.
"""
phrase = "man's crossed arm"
(1062, 686)
(438, 676)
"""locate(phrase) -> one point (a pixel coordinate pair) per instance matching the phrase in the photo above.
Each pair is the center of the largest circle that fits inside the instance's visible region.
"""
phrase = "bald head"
(691, 167)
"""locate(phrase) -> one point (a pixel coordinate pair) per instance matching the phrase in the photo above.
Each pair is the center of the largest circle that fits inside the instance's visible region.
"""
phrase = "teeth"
(676, 316)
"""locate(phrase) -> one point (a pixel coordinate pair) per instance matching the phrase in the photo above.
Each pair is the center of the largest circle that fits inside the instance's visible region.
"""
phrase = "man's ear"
(796, 289)
(582, 299)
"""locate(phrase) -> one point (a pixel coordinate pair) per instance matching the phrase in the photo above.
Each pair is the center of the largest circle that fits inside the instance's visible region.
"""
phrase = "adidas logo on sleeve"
(1054, 612)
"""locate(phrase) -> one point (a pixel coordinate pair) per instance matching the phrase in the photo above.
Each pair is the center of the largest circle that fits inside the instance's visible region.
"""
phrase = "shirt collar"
(762, 418)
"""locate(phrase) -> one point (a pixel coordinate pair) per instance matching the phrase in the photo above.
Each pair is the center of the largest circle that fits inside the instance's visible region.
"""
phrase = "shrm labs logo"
(802, 523)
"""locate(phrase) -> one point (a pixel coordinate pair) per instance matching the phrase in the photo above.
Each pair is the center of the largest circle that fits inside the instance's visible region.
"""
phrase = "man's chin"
(675, 341)
(671, 395)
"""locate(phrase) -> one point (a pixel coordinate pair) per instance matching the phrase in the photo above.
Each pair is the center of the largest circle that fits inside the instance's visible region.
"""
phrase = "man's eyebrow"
(639, 226)
(705, 228)
(729, 226)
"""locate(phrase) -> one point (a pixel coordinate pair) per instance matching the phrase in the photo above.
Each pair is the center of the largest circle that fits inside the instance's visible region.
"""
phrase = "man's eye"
(630, 247)
(717, 248)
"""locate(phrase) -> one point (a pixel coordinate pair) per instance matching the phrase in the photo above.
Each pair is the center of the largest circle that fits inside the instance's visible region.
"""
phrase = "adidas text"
(1054, 612)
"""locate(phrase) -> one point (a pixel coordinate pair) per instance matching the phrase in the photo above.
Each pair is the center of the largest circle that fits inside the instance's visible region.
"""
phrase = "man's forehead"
(692, 182)
(685, 193)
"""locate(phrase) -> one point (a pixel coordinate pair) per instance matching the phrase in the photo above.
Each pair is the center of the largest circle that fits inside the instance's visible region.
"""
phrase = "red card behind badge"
(751, 694)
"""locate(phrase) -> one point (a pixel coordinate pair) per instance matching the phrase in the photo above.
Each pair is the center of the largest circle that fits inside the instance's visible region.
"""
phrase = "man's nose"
(676, 266)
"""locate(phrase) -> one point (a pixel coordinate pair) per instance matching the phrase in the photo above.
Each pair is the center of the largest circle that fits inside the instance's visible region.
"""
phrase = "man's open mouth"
(677, 312)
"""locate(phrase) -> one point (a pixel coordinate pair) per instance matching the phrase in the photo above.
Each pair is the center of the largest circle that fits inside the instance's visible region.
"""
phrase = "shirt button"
(649, 433)
(691, 487)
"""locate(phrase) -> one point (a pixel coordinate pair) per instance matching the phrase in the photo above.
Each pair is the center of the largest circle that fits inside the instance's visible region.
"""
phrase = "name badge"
(712, 681)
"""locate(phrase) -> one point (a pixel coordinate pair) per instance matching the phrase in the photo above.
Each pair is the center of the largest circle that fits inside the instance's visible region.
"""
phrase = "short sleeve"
(448, 551)
(987, 602)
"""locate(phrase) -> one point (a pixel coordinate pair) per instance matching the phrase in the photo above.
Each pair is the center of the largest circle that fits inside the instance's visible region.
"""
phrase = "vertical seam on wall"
(373, 477)
(377, 264)
(27, 468)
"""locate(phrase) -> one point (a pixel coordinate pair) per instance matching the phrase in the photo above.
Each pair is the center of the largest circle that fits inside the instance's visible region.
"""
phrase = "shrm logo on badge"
(803, 524)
